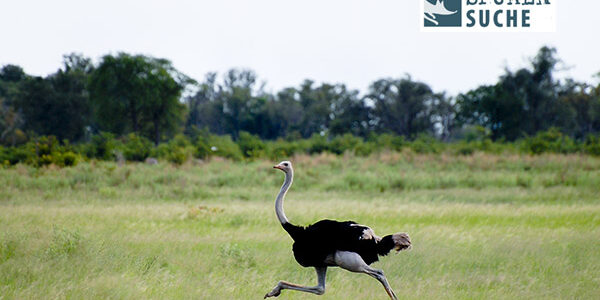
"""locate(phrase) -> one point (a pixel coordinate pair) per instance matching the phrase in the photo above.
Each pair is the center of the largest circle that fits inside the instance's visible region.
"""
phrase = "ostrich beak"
(277, 167)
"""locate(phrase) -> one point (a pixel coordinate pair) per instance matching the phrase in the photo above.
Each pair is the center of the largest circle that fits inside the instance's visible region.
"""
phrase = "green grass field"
(483, 227)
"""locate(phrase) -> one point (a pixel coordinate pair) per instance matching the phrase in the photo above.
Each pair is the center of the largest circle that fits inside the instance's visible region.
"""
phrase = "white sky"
(346, 41)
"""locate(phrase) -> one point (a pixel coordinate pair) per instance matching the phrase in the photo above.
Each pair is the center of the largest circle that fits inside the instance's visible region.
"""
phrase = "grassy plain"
(483, 227)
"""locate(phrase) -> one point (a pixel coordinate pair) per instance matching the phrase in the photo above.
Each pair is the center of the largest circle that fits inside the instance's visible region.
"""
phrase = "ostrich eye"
(285, 164)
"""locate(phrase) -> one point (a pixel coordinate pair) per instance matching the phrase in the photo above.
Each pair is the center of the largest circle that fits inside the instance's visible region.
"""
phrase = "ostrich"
(330, 243)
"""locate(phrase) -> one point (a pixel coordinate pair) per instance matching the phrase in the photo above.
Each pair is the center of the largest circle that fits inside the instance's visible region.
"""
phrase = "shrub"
(178, 155)
(317, 144)
(388, 141)
(66, 159)
(136, 148)
(181, 141)
(201, 143)
(426, 144)
(592, 145)
(69, 159)
(101, 146)
(251, 145)
(364, 149)
(465, 148)
(487, 145)
(4, 156)
(43, 145)
(225, 147)
(551, 140)
(202, 150)
(39, 151)
(473, 133)
(280, 149)
(44, 160)
(15, 155)
(177, 151)
(161, 151)
(346, 142)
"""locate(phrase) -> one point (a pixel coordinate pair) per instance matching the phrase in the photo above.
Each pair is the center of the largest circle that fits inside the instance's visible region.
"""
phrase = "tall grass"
(483, 226)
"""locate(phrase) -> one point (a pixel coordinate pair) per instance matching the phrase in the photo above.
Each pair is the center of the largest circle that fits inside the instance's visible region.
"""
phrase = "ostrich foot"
(274, 293)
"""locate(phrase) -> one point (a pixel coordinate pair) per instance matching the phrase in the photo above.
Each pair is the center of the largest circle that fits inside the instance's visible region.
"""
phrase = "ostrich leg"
(352, 262)
(319, 289)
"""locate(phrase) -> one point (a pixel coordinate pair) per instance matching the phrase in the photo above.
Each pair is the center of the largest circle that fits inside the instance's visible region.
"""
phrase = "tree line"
(147, 96)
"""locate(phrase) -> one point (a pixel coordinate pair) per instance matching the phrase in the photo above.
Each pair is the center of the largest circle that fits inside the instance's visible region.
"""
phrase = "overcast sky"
(345, 41)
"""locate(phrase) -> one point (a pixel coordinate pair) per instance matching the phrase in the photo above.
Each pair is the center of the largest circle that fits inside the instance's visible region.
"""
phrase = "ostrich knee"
(319, 290)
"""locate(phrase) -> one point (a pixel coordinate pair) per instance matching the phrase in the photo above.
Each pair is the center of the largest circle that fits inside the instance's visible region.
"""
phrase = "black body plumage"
(312, 244)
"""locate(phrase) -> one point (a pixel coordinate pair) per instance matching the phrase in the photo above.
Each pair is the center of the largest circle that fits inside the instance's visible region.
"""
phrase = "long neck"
(289, 177)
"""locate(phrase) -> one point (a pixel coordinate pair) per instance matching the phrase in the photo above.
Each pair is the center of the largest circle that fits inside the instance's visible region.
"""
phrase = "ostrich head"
(285, 166)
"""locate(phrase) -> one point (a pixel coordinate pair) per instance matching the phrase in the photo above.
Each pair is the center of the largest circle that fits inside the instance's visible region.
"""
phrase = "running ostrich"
(330, 243)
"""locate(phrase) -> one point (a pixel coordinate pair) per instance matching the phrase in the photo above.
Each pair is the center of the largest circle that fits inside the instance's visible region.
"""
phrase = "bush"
(251, 145)
(592, 145)
(46, 150)
(136, 148)
(101, 146)
(15, 155)
(66, 159)
(388, 141)
(44, 145)
(551, 140)
(39, 151)
(465, 148)
(180, 141)
(225, 147)
(364, 149)
(317, 144)
(178, 155)
(280, 149)
(346, 142)
(202, 147)
(472, 133)
(202, 150)
(202, 143)
(426, 144)
(177, 151)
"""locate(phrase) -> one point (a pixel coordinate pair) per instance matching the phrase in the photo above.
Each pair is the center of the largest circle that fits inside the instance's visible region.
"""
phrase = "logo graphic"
(488, 15)
(439, 13)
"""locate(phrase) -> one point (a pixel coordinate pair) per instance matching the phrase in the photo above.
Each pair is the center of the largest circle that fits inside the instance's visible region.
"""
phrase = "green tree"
(237, 95)
(116, 89)
(521, 103)
(202, 111)
(316, 105)
(286, 113)
(10, 125)
(538, 91)
(143, 90)
(444, 115)
(161, 105)
(492, 108)
(58, 104)
(349, 113)
(72, 97)
(402, 106)
(11, 121)
(235, 105)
